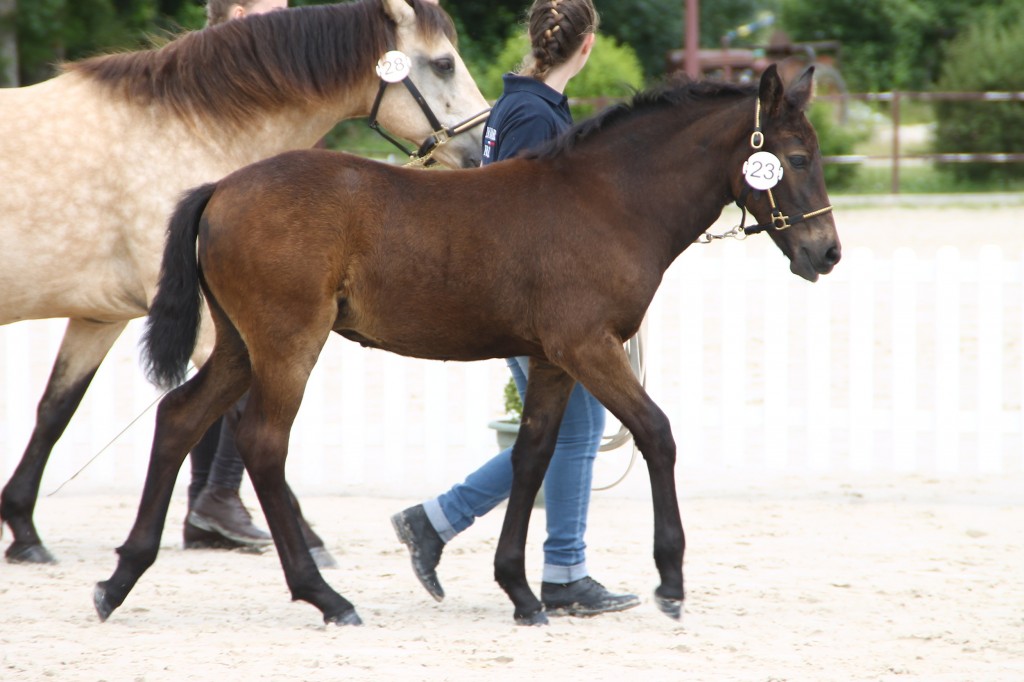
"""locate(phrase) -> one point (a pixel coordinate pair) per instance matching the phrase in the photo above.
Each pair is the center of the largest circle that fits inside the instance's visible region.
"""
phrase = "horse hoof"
(347, 618)
(29, 554)
(673, 608)
(99, 599)
(322, 558)
(535, 618)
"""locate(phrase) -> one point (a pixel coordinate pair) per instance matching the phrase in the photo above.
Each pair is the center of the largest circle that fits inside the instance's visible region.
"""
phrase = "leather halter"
(441, 135)
(779, 220)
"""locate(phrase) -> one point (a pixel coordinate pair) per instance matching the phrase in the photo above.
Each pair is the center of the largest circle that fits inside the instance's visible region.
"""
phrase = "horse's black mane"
(662, 96)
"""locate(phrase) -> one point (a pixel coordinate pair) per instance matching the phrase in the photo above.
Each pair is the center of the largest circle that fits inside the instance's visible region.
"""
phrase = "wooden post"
(895, 142)
(691, 39)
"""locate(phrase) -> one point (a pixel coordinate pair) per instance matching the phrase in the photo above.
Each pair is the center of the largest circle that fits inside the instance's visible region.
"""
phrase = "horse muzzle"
(810, 262)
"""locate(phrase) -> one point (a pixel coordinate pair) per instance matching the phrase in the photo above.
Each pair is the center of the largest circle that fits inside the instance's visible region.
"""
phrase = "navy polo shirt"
(527, 114)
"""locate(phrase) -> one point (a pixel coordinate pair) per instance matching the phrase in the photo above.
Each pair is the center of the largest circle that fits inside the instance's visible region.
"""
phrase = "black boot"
(583, 597)
(197, 538)
(221, 511)
(413, 529)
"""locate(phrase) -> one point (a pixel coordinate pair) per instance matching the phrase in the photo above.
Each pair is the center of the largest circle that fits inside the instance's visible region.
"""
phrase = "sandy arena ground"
(817, 579)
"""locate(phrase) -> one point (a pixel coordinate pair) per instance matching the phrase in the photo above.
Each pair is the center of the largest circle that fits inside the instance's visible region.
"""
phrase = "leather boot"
(221, 511)
(584, 597)
(197, 538)
(415, 531)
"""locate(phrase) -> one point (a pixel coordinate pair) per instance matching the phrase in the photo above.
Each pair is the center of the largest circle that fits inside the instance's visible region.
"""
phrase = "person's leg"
(567, 587)
(567, 487)
(227, 468)
(425, 528)
(201, 459)
(455, 510)
(219, 508)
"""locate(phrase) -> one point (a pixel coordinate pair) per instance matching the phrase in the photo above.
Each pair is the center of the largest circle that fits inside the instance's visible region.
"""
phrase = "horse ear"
(400, 11)
(798, 94)
(770, 91)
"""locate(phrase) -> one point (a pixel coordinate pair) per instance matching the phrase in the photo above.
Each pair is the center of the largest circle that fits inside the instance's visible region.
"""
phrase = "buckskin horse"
(93, 161)
(576, 239)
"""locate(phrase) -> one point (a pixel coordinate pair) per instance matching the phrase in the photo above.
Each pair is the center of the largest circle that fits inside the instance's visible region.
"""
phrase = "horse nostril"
(833, 255)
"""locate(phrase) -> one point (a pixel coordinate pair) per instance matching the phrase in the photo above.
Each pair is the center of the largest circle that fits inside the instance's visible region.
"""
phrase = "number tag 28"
(394, 66)
(762, 170)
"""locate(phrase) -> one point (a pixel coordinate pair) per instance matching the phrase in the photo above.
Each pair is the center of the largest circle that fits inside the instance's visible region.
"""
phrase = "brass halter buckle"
(780, 221)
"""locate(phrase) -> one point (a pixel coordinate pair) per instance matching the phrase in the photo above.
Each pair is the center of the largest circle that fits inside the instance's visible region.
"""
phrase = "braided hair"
(556, 29)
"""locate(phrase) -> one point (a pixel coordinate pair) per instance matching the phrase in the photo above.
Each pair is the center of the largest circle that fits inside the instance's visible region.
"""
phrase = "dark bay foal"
(556, 256)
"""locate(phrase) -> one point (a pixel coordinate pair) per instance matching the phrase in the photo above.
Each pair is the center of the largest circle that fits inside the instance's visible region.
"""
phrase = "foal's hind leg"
(603, 368)
(85, 345)
(547, 393)
(281, 368)
(182, 418)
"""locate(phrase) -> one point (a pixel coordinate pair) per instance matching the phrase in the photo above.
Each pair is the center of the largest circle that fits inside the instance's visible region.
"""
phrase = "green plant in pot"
(508, 428)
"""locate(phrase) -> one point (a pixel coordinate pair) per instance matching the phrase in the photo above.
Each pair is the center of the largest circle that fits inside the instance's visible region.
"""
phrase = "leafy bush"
(835, 140)
(613, 71)
(513, 403)
(986, 56)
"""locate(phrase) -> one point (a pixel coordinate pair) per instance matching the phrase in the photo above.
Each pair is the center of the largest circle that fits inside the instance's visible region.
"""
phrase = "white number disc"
(763, 170)
(394, 66)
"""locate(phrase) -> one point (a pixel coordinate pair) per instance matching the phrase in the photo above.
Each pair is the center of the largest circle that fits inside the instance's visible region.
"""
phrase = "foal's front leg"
(547, 392)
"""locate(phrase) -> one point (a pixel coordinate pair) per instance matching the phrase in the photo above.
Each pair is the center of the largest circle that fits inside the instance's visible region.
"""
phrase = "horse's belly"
(439, 344)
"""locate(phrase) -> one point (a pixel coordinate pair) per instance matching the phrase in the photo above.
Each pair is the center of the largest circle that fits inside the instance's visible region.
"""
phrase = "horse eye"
(798, 161)
(443, 65)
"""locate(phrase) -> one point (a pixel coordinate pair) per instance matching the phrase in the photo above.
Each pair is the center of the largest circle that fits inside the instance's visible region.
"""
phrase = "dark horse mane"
(226, 73)
(664, 96)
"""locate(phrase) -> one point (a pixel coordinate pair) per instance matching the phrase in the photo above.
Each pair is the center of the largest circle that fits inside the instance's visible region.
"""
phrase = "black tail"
(173, 324)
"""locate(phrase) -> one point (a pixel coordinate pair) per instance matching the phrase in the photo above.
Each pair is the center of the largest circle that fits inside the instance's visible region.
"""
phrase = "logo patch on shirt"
(490, 140)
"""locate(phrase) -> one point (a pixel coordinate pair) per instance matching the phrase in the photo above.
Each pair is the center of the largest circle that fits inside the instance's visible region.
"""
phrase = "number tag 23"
(762, 170)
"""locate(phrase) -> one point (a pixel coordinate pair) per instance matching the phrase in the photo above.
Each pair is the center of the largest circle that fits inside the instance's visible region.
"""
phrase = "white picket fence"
(896, 364)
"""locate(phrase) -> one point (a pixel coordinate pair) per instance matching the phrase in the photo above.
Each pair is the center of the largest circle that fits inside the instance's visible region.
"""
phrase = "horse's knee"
(658, 445)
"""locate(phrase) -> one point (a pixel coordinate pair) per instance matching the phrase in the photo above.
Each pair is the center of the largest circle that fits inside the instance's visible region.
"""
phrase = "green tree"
(886, 44)
(8, 44)
(483, 28)
(613, 71)
(51, 31)
(883, 41)
(655, 27)
(651, 27)
(985, 56)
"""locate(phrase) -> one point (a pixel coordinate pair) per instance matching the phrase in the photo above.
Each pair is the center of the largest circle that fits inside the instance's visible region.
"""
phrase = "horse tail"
(173, 323)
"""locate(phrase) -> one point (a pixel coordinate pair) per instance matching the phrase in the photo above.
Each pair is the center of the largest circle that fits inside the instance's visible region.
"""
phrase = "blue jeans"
(566, 485)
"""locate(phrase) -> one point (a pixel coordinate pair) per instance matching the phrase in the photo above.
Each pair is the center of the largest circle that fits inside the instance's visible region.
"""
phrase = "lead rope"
(191, 368)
